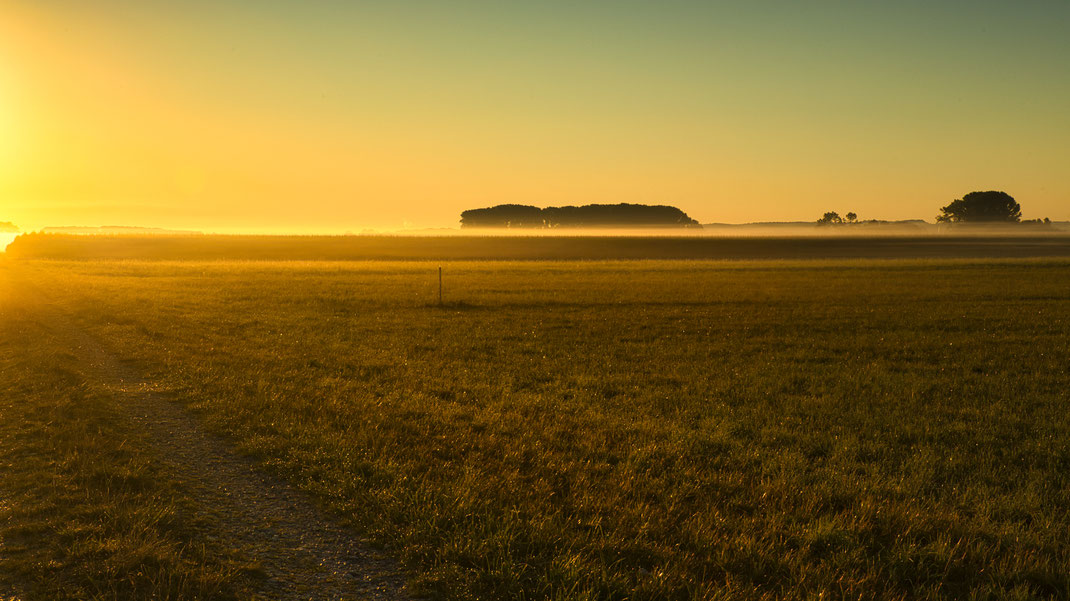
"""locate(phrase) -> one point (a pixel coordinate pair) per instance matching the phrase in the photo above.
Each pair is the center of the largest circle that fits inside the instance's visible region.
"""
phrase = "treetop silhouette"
(982, 207)
(593, 215)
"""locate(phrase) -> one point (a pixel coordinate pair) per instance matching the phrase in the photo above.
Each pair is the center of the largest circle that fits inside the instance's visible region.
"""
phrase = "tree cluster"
(976, 207)
(982, 207)
(593, 215)
(833, 218)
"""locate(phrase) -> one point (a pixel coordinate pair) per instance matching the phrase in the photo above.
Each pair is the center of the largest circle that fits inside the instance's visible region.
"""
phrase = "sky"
(320, 116)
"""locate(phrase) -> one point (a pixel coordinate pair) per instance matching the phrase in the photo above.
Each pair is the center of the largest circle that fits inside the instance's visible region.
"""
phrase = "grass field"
(964, 243)
(85, 510)
(615, 429)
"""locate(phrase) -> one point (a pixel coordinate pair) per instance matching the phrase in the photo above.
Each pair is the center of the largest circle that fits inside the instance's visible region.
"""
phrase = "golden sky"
(338, 116)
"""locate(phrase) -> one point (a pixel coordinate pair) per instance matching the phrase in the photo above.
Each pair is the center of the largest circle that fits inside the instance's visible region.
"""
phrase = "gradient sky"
(335, 116)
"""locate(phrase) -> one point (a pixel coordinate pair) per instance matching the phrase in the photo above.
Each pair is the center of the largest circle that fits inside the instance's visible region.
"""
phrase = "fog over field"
(915, 228)
(5, 239)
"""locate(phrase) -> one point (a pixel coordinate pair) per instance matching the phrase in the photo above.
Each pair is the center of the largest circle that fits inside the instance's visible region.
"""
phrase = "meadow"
(674, 429)
(522, 245)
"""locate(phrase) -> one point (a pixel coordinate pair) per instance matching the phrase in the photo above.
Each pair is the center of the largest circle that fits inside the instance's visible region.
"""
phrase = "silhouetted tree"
(620, 215)
(1045, 221)
(503, 216)
(830, 218)
(596, 215)
(982, 207)
(851, 217)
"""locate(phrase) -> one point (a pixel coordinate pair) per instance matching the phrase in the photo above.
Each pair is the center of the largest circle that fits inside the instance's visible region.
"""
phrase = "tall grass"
(85, 511)
(618, 430)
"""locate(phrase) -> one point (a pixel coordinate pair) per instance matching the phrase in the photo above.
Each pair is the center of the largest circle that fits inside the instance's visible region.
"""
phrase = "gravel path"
(301, 551)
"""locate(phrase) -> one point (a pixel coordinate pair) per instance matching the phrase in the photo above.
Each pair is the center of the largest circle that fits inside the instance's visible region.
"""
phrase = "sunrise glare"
(334, 116)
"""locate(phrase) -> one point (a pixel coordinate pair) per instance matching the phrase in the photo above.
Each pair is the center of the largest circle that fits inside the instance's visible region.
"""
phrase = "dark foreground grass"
(84, 512)
(524, 248)
(665, 430)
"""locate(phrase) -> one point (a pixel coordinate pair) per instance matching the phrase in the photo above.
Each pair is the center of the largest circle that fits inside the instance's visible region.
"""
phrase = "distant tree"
(618, 215)
(595, 215)
(830, 218)
(851, 217)
(982, 207)
(6, 227)
(1045, 221)
(511, 215)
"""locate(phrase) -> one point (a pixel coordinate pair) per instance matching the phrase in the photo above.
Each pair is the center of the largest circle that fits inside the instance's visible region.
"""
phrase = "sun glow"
(8, 120)
(347, 117)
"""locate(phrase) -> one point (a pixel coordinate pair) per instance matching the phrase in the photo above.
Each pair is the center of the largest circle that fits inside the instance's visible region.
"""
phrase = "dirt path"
(302, 552)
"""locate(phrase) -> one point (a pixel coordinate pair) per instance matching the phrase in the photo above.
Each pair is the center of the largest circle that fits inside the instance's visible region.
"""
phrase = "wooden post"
(440, 286)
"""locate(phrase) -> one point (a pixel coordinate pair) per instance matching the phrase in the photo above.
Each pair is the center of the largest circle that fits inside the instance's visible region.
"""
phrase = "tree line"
(593, 215)
(991, 206)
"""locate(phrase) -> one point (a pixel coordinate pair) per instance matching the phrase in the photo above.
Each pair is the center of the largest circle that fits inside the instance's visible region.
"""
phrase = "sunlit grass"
(640, 430)
(85, 511)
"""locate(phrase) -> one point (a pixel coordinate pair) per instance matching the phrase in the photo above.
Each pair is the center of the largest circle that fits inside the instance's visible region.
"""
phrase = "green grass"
(638, 430)
(85, 512)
